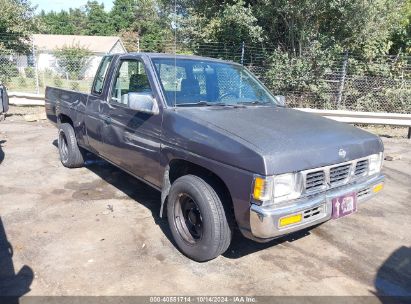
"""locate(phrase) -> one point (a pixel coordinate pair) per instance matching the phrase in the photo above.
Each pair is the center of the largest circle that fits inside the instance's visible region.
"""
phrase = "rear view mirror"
(280, 100)
(142, 102)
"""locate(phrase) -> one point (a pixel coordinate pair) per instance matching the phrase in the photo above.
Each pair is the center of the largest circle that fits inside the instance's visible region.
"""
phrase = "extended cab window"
(101, 75)
(130, 77)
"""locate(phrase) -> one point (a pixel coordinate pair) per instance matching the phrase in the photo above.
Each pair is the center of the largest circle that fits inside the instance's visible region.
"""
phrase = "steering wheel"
(225, 95)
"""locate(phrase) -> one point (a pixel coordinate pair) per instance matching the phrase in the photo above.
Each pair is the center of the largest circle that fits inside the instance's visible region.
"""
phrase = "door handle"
(107, 119)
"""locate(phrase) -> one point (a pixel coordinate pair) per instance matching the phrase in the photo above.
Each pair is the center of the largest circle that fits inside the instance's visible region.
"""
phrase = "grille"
(314, 180)
(339, 174)
(361, 167)
(312, 212)
(327, 177)
(363, 192)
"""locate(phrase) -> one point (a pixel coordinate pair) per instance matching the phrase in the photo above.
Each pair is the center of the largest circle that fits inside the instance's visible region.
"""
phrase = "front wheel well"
(178, 167)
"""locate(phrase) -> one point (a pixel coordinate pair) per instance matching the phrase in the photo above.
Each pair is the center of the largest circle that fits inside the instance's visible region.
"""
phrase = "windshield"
(188, 82)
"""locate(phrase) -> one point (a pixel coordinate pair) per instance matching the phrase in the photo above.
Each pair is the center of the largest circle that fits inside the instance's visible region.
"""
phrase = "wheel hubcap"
(189, 222)
(63, 147)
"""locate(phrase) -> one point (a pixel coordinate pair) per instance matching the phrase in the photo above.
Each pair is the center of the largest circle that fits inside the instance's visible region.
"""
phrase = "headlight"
(275, 189)
(375, 163)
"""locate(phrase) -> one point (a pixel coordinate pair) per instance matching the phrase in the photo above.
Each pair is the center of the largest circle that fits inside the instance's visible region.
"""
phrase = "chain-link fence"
(32, 73)
(342, 81)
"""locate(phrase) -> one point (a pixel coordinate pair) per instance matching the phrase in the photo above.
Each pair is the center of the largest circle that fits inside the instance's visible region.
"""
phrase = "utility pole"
(242, 53)
(342, 80)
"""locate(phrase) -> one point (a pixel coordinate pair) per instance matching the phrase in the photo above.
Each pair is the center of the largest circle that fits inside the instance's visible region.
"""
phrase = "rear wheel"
(70, 154)
(197, 219)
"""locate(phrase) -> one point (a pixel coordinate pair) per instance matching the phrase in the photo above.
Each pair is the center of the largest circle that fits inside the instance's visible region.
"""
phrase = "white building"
(46, 45)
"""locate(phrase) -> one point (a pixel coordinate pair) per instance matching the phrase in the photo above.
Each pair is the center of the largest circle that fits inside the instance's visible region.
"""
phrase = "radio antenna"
(175, 52)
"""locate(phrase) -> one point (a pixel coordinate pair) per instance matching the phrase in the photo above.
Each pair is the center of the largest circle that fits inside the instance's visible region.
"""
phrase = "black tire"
(192, 201)
(70, 154)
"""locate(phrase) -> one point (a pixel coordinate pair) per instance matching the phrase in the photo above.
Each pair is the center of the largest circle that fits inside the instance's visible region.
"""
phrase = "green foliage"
(299, 73)
(75, 86)
(22, 81)
(61, 23)
(401, 39)
(16, 25)
(232, 24)
(57, 81)
(122, 14)
(98, 21)
(150, 26)
(29, 71)
(381, 99)
(73, 60)
(7, 70)
(134, 20)
(298, 44)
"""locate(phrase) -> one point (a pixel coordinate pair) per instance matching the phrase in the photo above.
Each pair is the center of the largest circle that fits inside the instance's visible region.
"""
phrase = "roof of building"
(95, 44)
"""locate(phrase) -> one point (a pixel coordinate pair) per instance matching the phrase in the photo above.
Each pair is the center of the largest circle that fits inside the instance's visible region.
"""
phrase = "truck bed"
(61, 101)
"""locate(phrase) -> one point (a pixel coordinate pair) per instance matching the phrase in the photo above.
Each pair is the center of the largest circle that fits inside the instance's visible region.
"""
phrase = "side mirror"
(143, 102)
(280, 100)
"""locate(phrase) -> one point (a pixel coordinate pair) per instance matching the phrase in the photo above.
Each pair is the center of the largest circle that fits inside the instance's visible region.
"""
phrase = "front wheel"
(197, 219)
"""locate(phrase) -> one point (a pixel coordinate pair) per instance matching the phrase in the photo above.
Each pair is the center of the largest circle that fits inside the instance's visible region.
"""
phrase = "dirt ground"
(96, 231)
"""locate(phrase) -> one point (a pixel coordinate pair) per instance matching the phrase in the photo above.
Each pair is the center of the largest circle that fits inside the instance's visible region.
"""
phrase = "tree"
(153, 28)
(145, 24)
(78, 17)
(98, 21)
(361, 26)
(57, 23)
(401, 38)
(122, 14)
(232, 24)
(73, 60)
(16, 25)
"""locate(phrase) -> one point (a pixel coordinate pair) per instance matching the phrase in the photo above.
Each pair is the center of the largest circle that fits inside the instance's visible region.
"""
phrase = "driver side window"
(131, 78)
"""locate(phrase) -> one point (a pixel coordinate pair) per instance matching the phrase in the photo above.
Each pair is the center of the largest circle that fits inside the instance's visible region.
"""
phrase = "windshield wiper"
(254, 102)
(203, 103)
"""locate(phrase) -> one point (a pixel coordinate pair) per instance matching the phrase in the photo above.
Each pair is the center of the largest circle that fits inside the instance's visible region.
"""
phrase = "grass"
(28, 85)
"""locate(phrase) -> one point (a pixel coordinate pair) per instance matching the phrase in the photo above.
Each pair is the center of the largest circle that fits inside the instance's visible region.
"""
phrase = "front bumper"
(315, 209)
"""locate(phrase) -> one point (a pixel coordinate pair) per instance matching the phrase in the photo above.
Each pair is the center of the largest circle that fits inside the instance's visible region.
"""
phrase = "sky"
(58, 5)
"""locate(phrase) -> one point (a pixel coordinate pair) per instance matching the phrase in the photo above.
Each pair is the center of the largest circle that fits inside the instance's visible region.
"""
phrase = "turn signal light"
(378, 188)
(259, 185)
(292, 219)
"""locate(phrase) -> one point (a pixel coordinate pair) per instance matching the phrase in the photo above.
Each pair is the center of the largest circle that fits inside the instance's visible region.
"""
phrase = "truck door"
(131, 139)
(93, 120)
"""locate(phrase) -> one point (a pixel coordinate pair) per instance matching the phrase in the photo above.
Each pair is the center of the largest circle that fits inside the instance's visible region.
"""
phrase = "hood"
(290, 140)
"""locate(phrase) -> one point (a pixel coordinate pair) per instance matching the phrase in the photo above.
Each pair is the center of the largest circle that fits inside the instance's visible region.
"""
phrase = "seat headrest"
(139, 83)
(190, 86)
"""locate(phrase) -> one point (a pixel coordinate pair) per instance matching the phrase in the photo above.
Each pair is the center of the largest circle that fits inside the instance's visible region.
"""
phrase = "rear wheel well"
(178, 168)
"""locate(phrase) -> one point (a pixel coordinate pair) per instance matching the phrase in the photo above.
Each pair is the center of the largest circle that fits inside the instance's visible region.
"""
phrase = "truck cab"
(225, 153)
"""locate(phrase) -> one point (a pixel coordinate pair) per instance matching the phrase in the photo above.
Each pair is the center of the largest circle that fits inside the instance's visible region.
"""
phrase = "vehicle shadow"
(2, 155)
(241, 246)
(393, 278)
(132, 187)
(12, 285)
(151, 199)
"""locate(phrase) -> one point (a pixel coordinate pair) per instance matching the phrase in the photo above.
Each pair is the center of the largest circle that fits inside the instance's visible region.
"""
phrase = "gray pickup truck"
(224, 152)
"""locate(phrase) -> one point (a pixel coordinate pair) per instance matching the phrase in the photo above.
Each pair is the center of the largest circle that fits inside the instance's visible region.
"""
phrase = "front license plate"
(344, 205)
